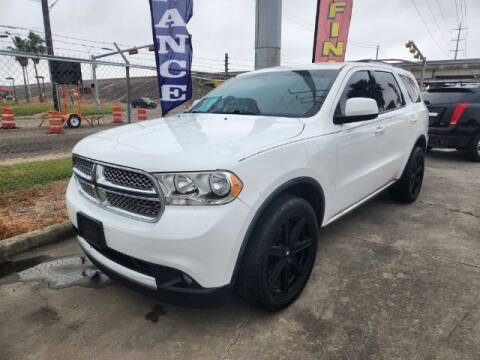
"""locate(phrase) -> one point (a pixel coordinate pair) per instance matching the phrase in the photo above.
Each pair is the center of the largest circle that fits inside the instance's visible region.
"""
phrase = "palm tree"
(22, 45)
(35, 44)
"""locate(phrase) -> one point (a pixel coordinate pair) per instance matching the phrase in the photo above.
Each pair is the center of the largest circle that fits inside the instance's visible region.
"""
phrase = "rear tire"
(408, 187)
(473, 149)
(280, 254)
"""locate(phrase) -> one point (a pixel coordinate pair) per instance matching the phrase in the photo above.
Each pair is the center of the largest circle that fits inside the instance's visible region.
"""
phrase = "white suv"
(232, 193)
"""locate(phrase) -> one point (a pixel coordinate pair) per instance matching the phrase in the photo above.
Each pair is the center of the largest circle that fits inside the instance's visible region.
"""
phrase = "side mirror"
(358, 109)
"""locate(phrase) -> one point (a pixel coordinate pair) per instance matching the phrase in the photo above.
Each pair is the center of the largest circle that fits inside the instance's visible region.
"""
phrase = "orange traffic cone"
(8, 119)
(142, 114)
(117, 114)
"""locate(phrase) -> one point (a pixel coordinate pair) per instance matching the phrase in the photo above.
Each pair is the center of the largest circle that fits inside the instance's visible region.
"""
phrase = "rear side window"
(387, 92)
(412, 88)
(359, 85)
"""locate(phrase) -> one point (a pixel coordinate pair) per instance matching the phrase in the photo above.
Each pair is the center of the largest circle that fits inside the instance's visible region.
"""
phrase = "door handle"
(379, 130)
(413, 119)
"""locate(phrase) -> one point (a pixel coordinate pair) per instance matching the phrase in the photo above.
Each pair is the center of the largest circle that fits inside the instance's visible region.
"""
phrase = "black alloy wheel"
(280, 254)
(416, 176)
(408, 187)
(290, 256)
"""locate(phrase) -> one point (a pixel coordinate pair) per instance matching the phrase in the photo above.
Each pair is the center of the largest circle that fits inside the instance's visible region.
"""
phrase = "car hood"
(188, 142)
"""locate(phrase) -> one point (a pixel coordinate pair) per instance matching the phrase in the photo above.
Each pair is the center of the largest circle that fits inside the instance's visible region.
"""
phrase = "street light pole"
(127, 69)
(127, 74)
(14, 91)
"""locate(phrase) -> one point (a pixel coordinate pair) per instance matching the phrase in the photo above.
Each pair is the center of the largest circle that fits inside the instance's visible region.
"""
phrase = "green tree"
(22, 45)
(35, 46)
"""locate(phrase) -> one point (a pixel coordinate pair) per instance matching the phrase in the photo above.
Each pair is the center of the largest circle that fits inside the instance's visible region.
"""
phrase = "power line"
(425, 25)
(442, 14)
(436, 22)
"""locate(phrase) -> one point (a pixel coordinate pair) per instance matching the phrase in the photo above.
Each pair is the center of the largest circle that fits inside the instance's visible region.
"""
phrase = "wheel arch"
(303, 187)
(422, 142)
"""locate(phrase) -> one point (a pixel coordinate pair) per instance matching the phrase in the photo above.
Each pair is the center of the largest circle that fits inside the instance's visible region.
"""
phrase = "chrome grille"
(84, 165)
(87, 188)
(126, 191)
(144, 207)
(127, 178)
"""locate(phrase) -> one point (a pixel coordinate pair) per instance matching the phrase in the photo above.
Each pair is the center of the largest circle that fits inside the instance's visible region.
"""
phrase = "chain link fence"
(86, 91)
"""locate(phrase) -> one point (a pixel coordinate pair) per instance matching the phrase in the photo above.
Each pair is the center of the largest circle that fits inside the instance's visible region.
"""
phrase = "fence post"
(129, 111)
(95, 84)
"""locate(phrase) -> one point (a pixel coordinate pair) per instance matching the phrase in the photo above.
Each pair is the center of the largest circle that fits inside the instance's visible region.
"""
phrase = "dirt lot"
(25, 210)
(391, 282)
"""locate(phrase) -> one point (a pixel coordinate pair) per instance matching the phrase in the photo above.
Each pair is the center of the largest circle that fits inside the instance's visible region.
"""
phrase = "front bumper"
(166, 284)
(202, 242)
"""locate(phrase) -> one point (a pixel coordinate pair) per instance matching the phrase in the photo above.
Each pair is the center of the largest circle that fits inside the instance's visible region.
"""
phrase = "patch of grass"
(28, 174)
(89, 109)
(27, 109)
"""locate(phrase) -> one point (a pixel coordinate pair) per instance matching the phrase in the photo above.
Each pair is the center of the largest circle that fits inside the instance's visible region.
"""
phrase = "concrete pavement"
(391, 281)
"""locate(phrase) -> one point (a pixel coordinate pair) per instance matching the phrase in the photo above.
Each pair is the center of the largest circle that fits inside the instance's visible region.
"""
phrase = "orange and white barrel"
(142, 114)
(117, 114)
(8, 119)
(55, 122)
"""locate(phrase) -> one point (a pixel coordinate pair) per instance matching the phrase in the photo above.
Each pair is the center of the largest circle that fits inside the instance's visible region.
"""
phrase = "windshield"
(450, 95)
(284, 94)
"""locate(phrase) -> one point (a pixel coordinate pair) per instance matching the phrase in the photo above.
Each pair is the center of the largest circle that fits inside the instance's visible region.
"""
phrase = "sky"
(228, 26)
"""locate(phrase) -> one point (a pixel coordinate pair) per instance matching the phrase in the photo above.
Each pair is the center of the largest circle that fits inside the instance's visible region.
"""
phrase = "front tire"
(408, 187)
(473, 149)
(280, 254)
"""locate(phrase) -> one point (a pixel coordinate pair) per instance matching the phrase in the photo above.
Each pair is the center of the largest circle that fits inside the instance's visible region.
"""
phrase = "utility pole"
(226, 66)
(268, 33)
(457, 40)
(378, 49)
(49, 45)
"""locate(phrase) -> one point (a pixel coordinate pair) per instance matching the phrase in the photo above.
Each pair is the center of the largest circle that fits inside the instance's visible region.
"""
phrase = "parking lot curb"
(23, 242)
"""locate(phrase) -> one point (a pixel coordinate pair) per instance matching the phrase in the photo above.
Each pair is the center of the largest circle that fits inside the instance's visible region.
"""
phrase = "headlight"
(199, 188)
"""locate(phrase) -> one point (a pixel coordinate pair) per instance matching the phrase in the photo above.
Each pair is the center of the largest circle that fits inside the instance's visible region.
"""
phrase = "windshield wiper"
(240, 112)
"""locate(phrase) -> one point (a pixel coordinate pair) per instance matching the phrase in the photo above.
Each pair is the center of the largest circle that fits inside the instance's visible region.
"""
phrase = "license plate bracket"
(91, 230)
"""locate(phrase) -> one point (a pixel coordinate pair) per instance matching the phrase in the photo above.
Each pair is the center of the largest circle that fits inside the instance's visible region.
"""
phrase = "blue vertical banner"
(173, 50)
